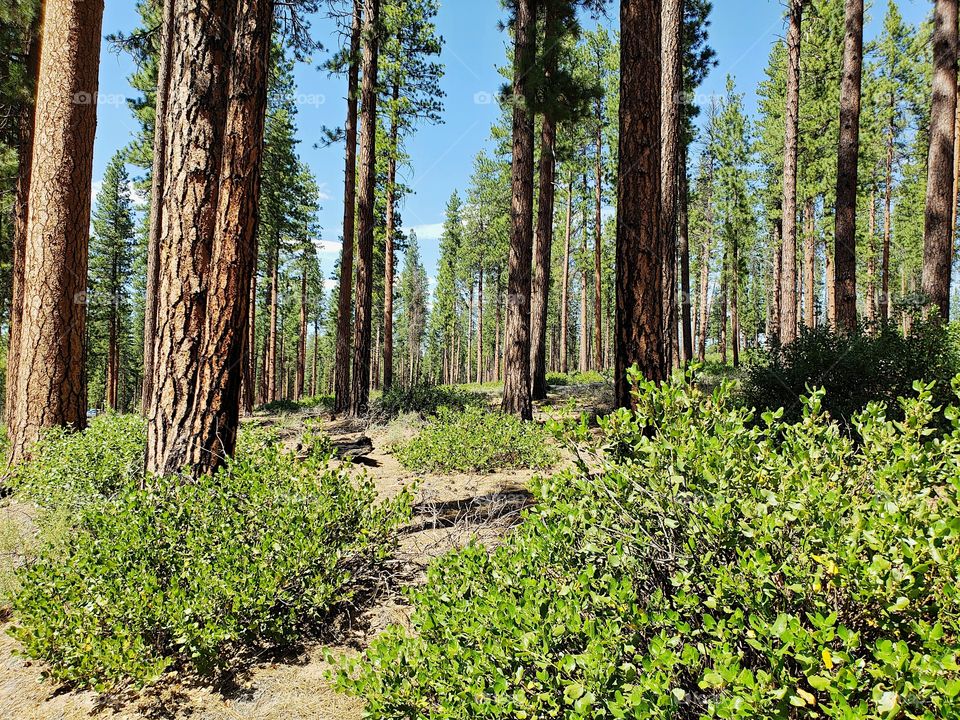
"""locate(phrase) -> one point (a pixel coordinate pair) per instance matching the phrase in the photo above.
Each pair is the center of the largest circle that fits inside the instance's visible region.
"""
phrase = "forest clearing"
(447, 360)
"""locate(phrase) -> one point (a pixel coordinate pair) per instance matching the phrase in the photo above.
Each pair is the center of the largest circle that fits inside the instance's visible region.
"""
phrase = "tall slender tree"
(50, 384)
(845, 255)
(788, 293)
(670, 138)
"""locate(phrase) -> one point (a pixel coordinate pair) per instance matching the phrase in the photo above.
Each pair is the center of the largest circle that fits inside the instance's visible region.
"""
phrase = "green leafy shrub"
(423, 399)
(477, 440)
(878, 364)
(75, 468)
(590, 377)
(189, 573)
(702, 565)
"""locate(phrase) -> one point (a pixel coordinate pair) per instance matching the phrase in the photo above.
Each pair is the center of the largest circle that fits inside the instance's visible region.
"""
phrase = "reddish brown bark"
(683, 217)
(389, 262)
(809, 264)
(672, 87)
(788, 310)
(516, 391)
(639, 317)
(363, 322)
(565, 284)
(937, 235)
(50, 387)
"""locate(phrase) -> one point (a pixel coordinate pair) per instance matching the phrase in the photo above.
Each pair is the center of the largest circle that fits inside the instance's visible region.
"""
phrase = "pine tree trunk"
(686, 309)
(870, 302)
(598, 254)
(830, 292)
(155, 226)
(271, 368)
(543, 237)
(250, 349)
(735, 300)
(469, 357)
(672, 87)
(360, 392)
(21, 202)
(775, 305)
(887, 223)
(639, 254)
(480, 324)
(314, 377)
(937, 238)
(50, 385)
(809, 264)
(113, 352)
(517, 391)
(584, 364)
(389, 270)
(845, 254)
(341, 368)
(788, 311)
(302, 345)
(565, 286)
(213, 149)
(705, 249)
(723, 340)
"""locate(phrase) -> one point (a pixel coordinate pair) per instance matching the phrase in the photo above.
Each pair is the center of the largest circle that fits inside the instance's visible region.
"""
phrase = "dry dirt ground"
(450, 510)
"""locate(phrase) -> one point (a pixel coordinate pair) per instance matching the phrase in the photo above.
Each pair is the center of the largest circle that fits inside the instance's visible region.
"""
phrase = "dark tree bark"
(887, 221)
(672, 89)
(155, 220)
(845, 254)
(639, 332)
(775, 301)
(517, 391)
(360, 392)
(214, 143)
(788, 310)
(50, 384)
(543, 238)
(388, 249)
(937, 234)
(809, 265)
(341, 367)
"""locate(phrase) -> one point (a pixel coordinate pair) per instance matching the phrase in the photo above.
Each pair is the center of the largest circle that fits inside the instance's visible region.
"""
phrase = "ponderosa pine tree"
(412, 316)
(639, 333)
(345, 293)
(670, 138)
(108, 301)
(938, 240)
(517, 389)
(50, 381)
(363, 322)
(208, 211)
(845, 255)
(788, 293)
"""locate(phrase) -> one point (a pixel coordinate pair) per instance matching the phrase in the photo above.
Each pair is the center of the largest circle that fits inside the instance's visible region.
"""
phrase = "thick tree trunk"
(809, 264)
(937, 234)
(388, 247)
(788, 311)
(157, 182)
(845, 254)
(212, 154)
(543, 237)
(565, 283)
(21, 203)
(672, 87)
(516, 392)
(50, 384)
(360, 393)
(639, 332)
(341, 367)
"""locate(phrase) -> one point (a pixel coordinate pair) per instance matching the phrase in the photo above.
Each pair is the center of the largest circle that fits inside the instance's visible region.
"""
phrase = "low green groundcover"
(700, 564)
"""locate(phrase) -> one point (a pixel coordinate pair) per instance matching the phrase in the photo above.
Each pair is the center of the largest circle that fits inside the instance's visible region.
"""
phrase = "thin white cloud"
(328, 246)
(432, 231)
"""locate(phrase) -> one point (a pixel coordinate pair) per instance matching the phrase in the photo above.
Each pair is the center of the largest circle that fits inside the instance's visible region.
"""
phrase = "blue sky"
(742, 32)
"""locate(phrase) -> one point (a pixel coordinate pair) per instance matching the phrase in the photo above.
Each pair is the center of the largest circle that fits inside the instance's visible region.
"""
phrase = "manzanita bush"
(696, 563)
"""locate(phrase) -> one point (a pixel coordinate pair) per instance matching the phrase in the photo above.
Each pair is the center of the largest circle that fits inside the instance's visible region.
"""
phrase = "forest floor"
(449, 511)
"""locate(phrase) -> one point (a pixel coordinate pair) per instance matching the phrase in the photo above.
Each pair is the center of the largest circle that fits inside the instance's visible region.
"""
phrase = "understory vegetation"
(157, 573)
(873, 363)
(425, 400)
(701, 562)
(477, 440)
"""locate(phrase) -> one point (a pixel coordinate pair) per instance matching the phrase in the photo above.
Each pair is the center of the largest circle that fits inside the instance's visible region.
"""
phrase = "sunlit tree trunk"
(937, 235)
(686, 310)
(809, 264)
(516, 392)
(388, 279)
(788, 310)
(639, 254)
(50, 383)
(887, 221)
(565, 283)
(672, 86)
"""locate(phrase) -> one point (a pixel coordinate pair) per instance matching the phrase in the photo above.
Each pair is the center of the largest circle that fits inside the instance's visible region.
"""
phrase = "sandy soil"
(449, 511)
